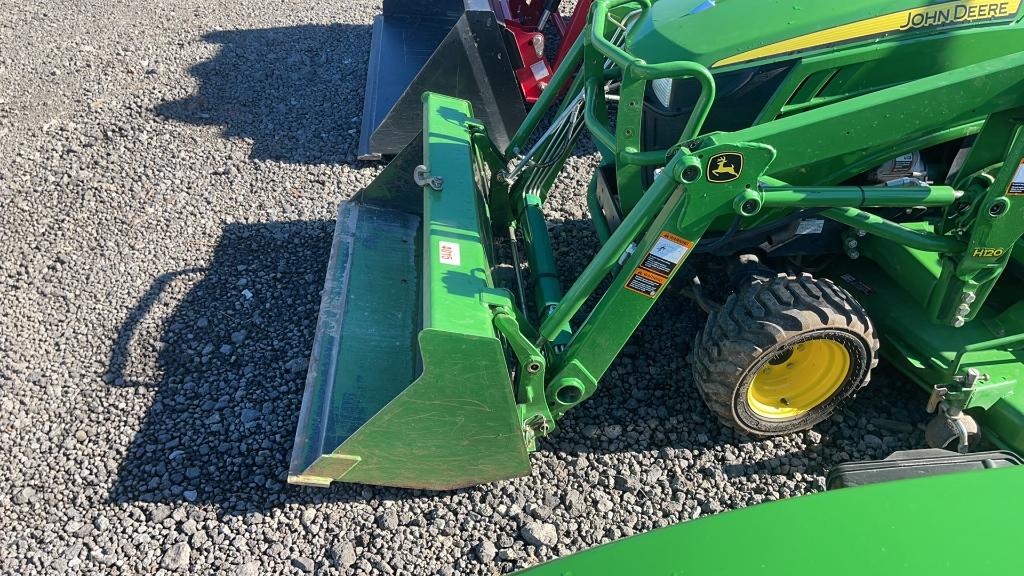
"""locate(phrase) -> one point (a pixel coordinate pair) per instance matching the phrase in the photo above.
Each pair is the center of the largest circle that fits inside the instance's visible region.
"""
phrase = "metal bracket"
(534, 413)
(949, 405)
(967, 381)
(423, 178)
(935, 399)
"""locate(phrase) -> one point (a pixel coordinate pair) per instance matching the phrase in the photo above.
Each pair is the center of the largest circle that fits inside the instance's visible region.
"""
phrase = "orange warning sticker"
(666, 254)
(646, 283)
(658, 264)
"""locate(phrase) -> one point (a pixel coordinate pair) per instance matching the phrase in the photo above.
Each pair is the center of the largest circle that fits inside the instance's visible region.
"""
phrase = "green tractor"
(859, 166)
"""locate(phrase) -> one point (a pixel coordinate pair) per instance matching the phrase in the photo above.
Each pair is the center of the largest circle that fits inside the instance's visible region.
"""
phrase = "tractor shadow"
(226, 366)
(229, 374)
(295, 92)
(231, 359)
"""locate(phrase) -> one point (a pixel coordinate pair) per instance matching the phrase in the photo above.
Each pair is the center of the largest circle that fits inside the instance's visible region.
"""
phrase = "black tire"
(763, 322)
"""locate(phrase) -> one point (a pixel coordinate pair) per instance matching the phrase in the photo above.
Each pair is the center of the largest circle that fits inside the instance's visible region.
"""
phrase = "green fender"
(955, 524)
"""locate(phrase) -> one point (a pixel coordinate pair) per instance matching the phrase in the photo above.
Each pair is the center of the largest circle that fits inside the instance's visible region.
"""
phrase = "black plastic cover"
(914, 464)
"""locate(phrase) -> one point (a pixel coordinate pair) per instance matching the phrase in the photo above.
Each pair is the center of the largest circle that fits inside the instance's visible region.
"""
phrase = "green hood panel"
(712, 35)
(906, 527)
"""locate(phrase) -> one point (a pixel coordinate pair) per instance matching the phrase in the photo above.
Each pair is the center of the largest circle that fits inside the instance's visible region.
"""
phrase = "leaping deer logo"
(725, 167)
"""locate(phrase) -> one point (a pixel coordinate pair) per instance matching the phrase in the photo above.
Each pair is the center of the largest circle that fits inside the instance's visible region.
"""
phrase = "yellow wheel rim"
(797, 379)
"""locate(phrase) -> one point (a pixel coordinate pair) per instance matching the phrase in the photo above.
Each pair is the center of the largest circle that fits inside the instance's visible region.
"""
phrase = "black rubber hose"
(724, 244)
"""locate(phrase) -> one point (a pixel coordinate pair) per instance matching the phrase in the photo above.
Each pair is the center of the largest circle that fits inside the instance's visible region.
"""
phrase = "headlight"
(662, 88)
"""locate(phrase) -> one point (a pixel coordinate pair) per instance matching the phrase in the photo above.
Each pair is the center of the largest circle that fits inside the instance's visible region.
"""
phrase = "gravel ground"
(169, 172)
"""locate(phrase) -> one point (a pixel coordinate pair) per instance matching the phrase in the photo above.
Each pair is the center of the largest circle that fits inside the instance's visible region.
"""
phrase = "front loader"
(858, 168)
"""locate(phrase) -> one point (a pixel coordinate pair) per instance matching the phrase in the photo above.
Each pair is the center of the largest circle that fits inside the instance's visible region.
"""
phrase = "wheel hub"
(798, 378)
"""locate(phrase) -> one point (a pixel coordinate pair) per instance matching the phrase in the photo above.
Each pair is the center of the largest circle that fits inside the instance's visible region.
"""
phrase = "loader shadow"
(295, 92)
(231, 367)
(232, 357)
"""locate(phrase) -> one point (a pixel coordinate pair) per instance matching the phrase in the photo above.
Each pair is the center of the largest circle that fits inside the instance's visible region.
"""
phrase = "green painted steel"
(888, 528)
(904, 235)
(855, 196)
(426, 374)
(815, 147)
(894, 284)
(408, 384)
(673, 30)
(667, 210)
(882, 125)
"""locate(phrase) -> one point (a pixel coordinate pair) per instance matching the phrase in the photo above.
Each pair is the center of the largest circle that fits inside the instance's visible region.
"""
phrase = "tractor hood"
(739, 32)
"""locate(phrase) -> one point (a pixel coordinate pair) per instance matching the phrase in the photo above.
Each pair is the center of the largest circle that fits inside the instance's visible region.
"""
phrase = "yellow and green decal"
(945, 14)
(987, 252)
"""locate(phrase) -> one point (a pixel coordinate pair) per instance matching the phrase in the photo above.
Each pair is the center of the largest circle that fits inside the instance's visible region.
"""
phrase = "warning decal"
(1017, 185)
(658, 264)
(643, 282)
(666, 254)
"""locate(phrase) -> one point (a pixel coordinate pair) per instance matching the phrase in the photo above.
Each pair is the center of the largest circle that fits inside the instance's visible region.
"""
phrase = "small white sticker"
(450, 254)
(904, 163)
(810, 227)
(540, 70)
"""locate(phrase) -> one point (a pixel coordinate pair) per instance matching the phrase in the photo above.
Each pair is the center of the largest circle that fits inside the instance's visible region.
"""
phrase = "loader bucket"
(454, 47)
(408, 384)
